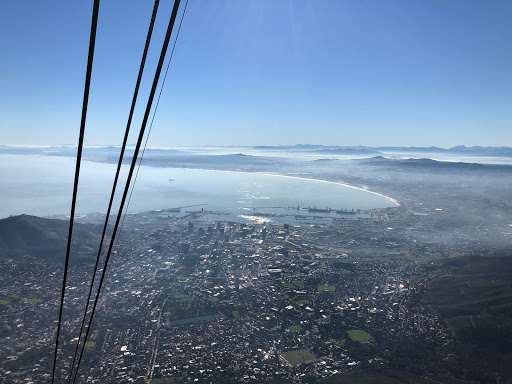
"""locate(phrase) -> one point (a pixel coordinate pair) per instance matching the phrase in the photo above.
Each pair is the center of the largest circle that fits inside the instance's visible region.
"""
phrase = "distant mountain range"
(460, 149)
(296, 147)
(348, 151)
(424, 164)
(275, 159)
(329, 149)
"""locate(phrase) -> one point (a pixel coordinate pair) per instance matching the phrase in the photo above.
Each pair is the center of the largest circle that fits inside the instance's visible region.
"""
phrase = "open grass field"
(236, 314)
(298, 357)
(372, 250)
(34, 301)
(359, 335)
(326, 288)
(295, 284)
(295, 328)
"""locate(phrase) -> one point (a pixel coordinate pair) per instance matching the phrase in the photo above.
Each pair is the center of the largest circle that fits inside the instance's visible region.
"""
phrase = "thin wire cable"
(127, 131)
(92, 41)
(130, 174)
(151, 125)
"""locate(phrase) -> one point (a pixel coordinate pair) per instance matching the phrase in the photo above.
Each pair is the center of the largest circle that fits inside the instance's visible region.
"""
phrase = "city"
(201, 301)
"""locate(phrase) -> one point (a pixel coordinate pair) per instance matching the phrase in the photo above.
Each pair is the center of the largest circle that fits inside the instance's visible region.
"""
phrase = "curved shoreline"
(334, 182)
(286, 176)
(297, 178)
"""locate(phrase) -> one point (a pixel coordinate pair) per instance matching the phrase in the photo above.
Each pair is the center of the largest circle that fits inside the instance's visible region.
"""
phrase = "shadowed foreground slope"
(42, 238)
(474, 296)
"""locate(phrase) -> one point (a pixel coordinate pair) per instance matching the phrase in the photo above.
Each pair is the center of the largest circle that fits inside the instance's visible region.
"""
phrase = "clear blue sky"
(345, 72)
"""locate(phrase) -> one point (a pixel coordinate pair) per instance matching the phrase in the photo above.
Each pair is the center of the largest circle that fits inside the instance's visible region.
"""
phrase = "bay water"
(42, 185)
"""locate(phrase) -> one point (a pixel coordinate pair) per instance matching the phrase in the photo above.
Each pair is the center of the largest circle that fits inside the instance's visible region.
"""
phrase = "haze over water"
(42, 185)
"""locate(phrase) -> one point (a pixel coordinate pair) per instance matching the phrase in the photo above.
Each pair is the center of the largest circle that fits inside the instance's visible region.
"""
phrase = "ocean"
(42, 185)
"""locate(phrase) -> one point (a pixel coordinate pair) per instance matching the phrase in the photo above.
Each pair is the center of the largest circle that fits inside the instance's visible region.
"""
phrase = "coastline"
(32, 170)
(337, 183)
(297, 178)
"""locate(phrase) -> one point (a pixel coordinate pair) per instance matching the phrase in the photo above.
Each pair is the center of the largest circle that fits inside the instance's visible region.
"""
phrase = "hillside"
(42, 238)
(474, 296)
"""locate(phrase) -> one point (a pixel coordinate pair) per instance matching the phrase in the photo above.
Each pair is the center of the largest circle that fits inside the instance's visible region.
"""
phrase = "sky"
(263, 72)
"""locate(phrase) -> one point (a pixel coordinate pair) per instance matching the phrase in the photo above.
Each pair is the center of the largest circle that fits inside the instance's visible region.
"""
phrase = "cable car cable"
(130, 174)
(151, 125)
(127, 131)
(92, 40)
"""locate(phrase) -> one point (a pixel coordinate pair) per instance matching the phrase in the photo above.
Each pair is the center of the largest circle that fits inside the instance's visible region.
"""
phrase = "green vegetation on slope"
(389, 376)
(43, 238)
(474, 295)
